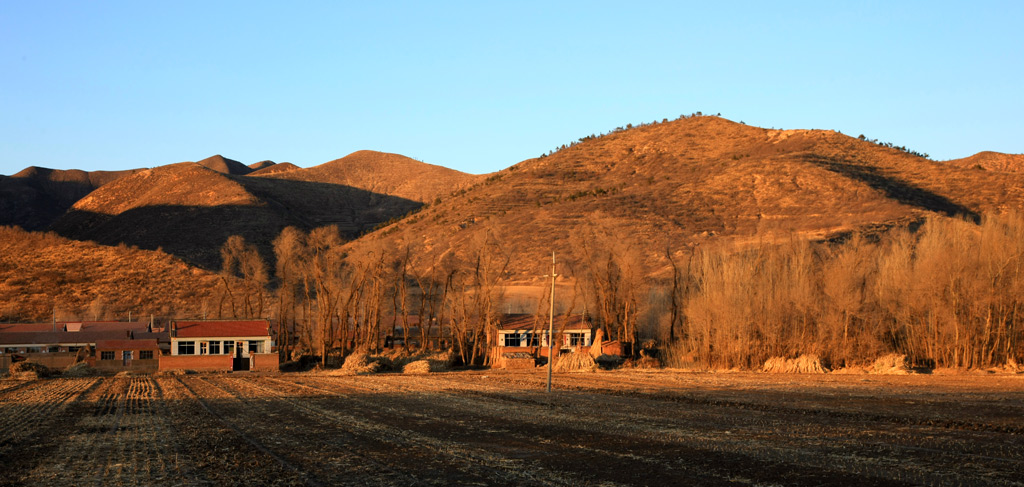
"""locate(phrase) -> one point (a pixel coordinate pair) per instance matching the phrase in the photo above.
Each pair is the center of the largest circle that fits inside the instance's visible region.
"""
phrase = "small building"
(59, 344)
(228, 345)
(522, 335)
(140, 355)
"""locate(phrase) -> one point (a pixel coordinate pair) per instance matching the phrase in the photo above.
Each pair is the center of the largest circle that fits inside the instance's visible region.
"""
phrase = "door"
(240, 362)
(126, 358)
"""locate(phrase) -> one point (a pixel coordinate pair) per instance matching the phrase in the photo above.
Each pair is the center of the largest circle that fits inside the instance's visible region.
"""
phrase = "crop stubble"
(499, 428)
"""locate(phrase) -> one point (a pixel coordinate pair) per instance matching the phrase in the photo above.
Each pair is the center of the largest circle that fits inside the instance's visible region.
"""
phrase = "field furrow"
(501, 428)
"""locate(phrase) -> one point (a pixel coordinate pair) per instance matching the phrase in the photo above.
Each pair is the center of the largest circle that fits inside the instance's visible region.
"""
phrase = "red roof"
(220, 328)
(30, 327)
(59, 337)
(126, 345)
(529, 322)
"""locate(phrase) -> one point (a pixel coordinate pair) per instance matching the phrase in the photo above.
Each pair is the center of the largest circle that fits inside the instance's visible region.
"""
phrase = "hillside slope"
(190, 210)
(696, 181)
(991, 161)
(43, 276)
(36, 196)
(386, 174)
(224, 165)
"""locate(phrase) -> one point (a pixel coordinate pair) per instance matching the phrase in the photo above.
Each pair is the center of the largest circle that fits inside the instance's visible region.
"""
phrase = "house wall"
(267, 342)
(195, 362)
(265, 362)
(117, 365)
(539, 351)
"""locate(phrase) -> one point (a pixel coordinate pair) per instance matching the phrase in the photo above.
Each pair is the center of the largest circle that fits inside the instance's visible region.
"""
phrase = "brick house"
(226, 345)
(136, 355)
(521, 336)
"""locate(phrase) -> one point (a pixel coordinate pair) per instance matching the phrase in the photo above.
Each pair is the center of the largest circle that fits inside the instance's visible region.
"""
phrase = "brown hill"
(696, 181)
(386, 174)
(190, 211)
(256, 166)
(224, 165)
(36, 196)
(276, 168)
(991, 161)
(43, 275)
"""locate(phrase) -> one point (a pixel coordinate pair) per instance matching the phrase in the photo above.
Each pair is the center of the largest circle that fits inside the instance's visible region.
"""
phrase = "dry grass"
(43, 273)
(804, 364)
(891, 364)
(30, 370)
(81, 369)
(575, 362)
(360, 363)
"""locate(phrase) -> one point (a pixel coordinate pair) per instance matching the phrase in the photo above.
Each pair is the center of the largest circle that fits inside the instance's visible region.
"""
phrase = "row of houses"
(113, 346)
(239, 345)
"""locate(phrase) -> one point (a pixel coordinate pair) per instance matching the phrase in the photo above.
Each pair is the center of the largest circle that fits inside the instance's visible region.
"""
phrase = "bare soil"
(501, 428)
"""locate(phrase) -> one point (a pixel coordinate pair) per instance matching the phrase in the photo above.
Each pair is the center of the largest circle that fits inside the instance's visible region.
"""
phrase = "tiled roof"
(75, 326)
(30, 327)
(529, 322)
(220, 328)
(59, 337)
(126, 345)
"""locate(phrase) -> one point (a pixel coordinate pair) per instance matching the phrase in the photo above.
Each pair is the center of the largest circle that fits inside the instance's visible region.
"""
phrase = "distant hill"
(36, 196)
(190, 210)
(992, 161)
(224, 165)
(386, 174)
(696, 181)
(276, 168)
(256, 166)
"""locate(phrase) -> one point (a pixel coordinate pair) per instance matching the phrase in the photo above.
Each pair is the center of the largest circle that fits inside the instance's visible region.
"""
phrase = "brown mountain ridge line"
(695, 181)
(190, 210)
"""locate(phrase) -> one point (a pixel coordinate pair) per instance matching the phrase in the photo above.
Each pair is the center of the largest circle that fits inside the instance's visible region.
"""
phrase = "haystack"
(29, 370)
(804, 364)
(892, 364)
(595, 346)
(575, 362)
(417, 367)
(80, 369)
(360, 363)
(439, 362)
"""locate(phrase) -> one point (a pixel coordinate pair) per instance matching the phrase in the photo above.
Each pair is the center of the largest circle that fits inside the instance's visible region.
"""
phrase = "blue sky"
(479, 86)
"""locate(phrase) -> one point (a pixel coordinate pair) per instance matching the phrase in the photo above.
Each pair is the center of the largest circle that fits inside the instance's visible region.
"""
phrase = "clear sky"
(478, 86)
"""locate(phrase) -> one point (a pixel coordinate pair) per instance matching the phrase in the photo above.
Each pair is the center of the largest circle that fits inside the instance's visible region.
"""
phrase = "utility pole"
(551, 322)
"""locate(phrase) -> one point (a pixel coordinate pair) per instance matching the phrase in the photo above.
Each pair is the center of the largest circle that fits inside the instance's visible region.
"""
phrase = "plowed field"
(501, 428)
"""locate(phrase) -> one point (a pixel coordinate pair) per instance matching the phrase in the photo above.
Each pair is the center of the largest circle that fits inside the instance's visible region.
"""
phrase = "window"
(528, 339)
(255, 346)
(186, 348)
(215, 348)
(53, 349)
(229, 347)
(203, 348)
(576, 339)
(145, 355)
(109, 355)
(34, 350)
(74, 348)
(127, 355)
(511, 340)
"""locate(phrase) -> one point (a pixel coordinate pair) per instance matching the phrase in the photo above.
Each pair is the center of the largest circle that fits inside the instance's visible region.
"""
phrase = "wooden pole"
(551, 322)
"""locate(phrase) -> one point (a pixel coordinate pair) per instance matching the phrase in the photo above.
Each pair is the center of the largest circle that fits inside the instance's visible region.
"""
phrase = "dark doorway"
(240, 362)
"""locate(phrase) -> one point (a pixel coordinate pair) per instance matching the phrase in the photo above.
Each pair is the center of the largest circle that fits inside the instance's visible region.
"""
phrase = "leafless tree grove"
(948, 293)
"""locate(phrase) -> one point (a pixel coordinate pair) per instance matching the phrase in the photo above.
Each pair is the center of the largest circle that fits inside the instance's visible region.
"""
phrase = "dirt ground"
(501, 428)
